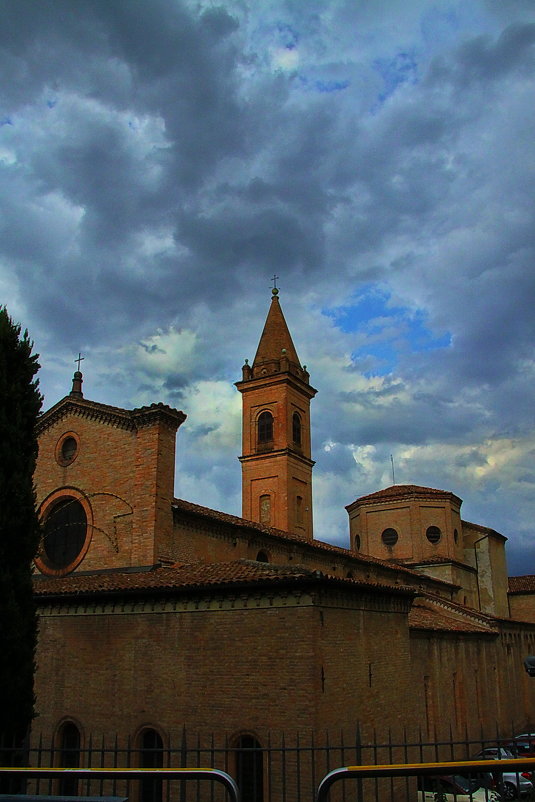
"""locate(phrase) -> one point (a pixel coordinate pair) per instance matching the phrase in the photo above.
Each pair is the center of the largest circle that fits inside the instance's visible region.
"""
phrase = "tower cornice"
(279, 452)
(273, 379)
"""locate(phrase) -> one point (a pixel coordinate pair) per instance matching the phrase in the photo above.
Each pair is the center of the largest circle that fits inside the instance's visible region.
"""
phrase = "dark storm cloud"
(170, 69)
(160, 162)
(482, 60)
(416, 417)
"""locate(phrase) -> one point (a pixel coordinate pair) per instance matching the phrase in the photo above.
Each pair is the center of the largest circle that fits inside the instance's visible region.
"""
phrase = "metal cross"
(80, 359)
(274, 280)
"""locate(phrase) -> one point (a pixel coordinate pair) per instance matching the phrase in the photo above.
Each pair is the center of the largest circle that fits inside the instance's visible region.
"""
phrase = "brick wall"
(286, 660)
(476, 683)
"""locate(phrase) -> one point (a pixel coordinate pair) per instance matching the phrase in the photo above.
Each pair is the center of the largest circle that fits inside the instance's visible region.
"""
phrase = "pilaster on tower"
(276, 450)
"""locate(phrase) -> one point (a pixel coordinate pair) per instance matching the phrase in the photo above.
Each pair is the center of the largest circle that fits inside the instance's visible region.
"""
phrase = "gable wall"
(126, 478)
(103, 471)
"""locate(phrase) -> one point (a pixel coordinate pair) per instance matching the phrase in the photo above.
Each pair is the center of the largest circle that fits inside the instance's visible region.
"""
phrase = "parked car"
(512, 784)
(451, 788)
(523, 745)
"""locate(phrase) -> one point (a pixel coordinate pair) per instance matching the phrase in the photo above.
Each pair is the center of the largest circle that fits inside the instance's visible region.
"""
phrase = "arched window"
(262, 557)
(150, 757)
(265, 427)
(69, 757)
(250, 769)
(296, 429)
(265, 509)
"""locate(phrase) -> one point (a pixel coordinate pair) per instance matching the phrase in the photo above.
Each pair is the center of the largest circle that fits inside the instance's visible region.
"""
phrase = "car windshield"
(497, 752)
(505, 753)
(468, 785)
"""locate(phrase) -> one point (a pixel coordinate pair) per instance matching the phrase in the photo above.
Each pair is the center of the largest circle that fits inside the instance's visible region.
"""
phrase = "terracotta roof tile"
(437, 560)
(522, 584)
(426, 616)
(483, 529)
(193, 576)
(404, 491)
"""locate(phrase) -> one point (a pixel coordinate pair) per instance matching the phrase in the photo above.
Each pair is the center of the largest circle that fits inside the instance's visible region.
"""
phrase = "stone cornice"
(158, 413)
(320, 592)
(122, 604)
(130, 420)
(277, 452)
(271, 379)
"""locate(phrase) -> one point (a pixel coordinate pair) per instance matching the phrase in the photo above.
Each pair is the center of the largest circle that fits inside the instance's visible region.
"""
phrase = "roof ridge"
(395, 491)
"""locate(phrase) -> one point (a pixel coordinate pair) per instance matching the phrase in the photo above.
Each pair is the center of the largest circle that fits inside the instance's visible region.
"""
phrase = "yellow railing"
(420, 770)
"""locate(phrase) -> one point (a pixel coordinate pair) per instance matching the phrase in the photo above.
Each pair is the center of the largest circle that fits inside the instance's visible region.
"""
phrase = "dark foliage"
(20, 403)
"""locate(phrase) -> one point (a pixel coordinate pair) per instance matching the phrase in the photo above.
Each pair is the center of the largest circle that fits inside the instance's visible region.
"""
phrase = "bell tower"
(276, 452)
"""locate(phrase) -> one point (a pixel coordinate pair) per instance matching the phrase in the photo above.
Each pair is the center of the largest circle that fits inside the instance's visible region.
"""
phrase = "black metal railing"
(268, 767)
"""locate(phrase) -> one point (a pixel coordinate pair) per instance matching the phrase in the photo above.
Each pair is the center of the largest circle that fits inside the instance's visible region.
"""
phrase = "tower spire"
(275, 341)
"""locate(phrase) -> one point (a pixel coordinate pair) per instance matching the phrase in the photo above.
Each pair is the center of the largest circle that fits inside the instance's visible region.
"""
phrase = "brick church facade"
(158, 614)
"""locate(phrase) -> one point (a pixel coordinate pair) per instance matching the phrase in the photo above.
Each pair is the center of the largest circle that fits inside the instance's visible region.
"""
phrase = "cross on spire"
(79, 359)
(274, 280)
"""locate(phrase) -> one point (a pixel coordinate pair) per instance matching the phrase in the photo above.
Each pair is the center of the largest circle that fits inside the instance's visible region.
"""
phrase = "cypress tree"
(20, 403)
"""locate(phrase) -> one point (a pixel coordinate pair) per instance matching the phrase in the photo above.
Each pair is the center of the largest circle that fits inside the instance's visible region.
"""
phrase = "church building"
(157, 614)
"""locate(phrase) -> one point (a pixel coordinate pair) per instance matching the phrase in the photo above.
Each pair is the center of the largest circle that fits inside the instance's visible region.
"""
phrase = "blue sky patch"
(401, 69)
(287, 35)
(389, 331)
(319, 85)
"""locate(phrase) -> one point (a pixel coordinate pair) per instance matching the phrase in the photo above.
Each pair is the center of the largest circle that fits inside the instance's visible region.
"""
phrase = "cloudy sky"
(160, 160)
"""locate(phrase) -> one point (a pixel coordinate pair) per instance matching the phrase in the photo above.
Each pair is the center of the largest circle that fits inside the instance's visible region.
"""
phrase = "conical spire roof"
(276, 340)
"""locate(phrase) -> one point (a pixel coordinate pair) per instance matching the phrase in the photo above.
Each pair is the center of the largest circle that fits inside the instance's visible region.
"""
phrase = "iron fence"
(268, 767)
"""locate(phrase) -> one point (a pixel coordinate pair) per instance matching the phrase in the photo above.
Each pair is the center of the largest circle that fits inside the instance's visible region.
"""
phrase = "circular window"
(390, 537)
(67, 449)
(433, 534)
(64, 534)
